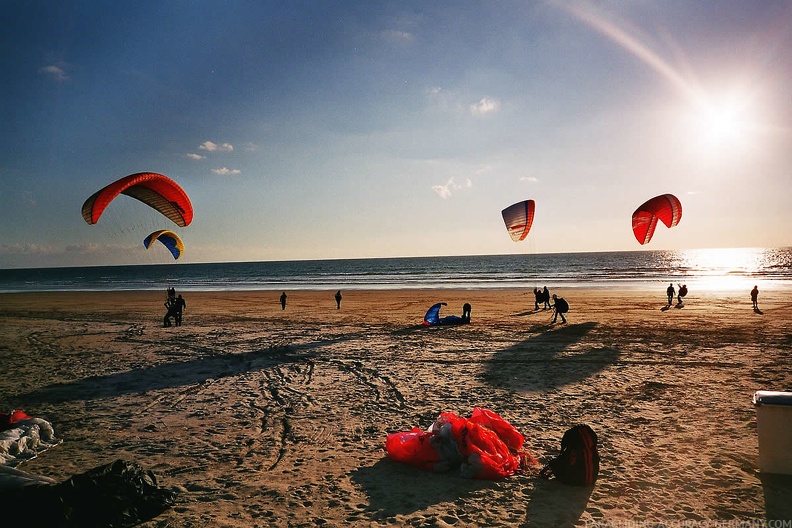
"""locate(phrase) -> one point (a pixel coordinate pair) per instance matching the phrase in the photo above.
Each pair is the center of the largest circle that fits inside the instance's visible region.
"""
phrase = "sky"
(348, 129)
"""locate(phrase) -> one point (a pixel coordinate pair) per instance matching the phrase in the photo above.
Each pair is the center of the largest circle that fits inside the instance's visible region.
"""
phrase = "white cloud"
(214, 147)
(395, 35)
(27, 249)
(226, 171)
(56, 72)
(445, 190)
(485, 106)
(529, 179)
(195, 156)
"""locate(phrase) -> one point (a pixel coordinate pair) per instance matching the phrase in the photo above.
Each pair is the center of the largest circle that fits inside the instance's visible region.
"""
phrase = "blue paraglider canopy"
(433, 318)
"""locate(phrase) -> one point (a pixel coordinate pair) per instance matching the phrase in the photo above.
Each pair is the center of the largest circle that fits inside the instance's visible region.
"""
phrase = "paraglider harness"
(561, 305)
(578, 462)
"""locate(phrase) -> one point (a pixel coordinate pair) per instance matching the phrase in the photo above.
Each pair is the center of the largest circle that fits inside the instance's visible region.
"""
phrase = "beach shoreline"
(262, 416)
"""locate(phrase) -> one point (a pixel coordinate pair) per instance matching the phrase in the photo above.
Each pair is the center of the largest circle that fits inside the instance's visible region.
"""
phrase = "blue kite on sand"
(432, 317)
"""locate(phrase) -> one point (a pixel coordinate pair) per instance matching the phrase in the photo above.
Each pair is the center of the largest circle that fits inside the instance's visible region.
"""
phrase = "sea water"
(700, 269)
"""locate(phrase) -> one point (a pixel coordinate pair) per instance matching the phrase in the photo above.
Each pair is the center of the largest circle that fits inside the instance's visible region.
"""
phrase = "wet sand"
(266, 417)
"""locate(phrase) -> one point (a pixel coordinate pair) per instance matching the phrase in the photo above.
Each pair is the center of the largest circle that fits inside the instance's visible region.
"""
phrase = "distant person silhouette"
(179, 305)
(682, 293)
(560, 308)
(466, 312)
(170, 305)
(338, 299)
(538, 297)
(546, 298)
(172, 294)
(670, 292)
(755, 298)
(283, 300)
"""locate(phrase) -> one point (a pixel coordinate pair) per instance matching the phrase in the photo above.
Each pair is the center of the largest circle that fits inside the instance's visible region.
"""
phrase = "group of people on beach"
(670, 292)
(542, 296)
(175, 305)
(560, 306)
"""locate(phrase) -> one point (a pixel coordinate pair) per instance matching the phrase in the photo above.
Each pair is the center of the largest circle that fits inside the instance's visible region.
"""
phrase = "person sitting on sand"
(670, 292)
(466, 312)
(755, 297)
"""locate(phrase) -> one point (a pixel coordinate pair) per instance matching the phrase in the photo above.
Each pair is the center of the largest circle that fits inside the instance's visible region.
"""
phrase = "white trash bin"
(774, 426)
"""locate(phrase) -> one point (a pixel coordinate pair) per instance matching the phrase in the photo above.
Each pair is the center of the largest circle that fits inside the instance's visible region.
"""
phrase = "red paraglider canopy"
(518, 219)
(665, 208)
(154, 190)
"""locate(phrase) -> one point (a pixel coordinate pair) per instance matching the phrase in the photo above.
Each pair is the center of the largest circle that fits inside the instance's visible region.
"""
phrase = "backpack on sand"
(578, 462)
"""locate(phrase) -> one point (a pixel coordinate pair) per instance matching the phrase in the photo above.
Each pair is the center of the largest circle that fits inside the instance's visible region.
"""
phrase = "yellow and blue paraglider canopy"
(169, 239)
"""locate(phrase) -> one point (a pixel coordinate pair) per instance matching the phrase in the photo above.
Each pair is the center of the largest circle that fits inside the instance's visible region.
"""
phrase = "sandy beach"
(260, 416)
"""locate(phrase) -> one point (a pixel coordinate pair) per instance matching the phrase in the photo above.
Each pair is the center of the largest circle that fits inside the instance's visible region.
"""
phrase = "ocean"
(701, 269)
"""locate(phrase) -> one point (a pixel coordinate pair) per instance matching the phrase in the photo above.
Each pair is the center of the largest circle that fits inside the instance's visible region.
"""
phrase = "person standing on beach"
(338, 299)
(755, 297)
(538, 297)
(560, 308)
(283, 300)
(179, 305)
(171, 312)
(546, 298)
(682, 293)
(670, 292)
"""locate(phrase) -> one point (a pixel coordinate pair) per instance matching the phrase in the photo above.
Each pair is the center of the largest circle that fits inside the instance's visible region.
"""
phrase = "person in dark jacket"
(560, 307)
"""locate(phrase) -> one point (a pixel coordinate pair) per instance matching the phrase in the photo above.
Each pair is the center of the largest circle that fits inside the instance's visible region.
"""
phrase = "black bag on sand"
(578, 462)
(116, 495)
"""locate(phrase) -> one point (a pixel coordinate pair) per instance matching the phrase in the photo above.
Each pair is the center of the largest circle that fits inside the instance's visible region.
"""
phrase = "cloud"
(529, 179)
(395, 35)
(195, 156)
(250, 147)
(27, 249)
(485, 106)
(55, 72)
(226, 171)
(445, 190)
(214, 147)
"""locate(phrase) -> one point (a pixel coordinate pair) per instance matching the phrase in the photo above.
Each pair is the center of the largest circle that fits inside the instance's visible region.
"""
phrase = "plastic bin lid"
(772, 398)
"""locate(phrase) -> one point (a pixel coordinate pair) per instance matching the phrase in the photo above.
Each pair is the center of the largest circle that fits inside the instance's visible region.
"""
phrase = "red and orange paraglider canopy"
(155, 190)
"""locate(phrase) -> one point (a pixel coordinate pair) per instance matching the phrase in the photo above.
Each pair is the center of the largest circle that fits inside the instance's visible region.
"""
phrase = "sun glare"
(723, 268)
(721, 124)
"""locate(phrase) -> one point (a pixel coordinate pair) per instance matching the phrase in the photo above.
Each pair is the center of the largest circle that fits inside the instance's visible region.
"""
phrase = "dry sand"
(268, 417)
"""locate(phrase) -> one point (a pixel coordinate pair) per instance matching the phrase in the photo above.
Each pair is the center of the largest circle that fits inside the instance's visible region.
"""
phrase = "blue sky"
(346, 129)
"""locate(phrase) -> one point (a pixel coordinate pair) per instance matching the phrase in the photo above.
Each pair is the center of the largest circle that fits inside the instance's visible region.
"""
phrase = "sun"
(722, 122)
